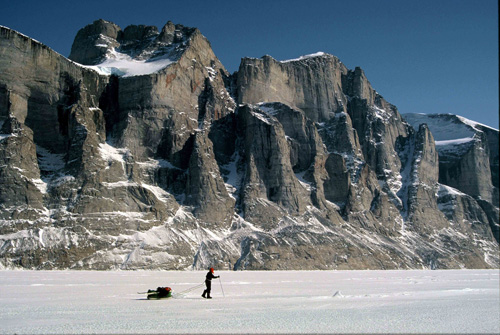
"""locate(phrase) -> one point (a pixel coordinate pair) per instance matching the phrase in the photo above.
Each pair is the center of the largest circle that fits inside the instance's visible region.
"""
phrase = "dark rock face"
(177, 164)
(423, 212)
(102, 38)
(92, 42)
(271, 188)
(469, 172)
(205, 189)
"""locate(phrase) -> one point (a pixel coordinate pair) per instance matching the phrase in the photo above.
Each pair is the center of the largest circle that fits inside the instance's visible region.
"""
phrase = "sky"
(426, 56)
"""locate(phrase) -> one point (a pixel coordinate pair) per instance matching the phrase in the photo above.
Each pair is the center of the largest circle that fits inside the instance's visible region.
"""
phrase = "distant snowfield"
(425, 301)
(123, 65)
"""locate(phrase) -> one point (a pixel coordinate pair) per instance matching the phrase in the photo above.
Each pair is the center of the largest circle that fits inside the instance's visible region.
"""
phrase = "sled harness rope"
(188, 290)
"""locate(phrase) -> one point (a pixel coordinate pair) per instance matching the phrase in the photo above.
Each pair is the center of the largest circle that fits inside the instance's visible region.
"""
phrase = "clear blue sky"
(425, 56)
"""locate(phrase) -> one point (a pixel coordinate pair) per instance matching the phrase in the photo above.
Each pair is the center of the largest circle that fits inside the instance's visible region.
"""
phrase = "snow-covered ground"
(425, 301)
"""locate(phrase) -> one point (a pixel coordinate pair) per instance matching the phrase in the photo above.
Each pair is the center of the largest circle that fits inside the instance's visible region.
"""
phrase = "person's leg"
(209, 288)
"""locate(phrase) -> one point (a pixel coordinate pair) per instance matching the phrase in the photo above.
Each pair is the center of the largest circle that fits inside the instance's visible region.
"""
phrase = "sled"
(159, 293)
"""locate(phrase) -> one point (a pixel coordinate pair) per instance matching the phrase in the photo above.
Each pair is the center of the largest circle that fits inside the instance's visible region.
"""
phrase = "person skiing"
(208, 283)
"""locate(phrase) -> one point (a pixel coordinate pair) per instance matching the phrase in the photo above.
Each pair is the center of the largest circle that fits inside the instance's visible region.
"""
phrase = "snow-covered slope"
(122, 65)
(446, 128)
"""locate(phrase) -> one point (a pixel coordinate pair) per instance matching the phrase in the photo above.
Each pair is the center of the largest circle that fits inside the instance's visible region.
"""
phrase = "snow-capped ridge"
(455, 141)
(446, 127)
(301, 58)
(313, 55)
(473, 124)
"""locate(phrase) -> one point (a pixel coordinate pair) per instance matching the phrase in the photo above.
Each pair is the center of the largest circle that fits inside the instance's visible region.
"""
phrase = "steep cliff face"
(423, 212)
(103, 153)
(270, 188)
(468, 162)
(310, 84)
(378, 172)
(151, 155)
(468, 153)
(46, 99)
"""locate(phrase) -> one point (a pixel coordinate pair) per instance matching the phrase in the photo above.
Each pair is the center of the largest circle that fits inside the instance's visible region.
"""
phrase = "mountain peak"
(135, 50)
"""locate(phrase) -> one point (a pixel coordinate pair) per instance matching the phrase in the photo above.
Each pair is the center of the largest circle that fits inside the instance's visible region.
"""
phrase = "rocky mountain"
(468, 158)
(141, 151)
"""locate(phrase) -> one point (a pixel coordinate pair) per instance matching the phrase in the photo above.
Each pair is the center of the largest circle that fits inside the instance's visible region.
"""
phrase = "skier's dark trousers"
(208, 283)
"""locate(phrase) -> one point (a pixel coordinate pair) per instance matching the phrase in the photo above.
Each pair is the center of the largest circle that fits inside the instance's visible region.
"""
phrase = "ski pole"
(221, 288)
